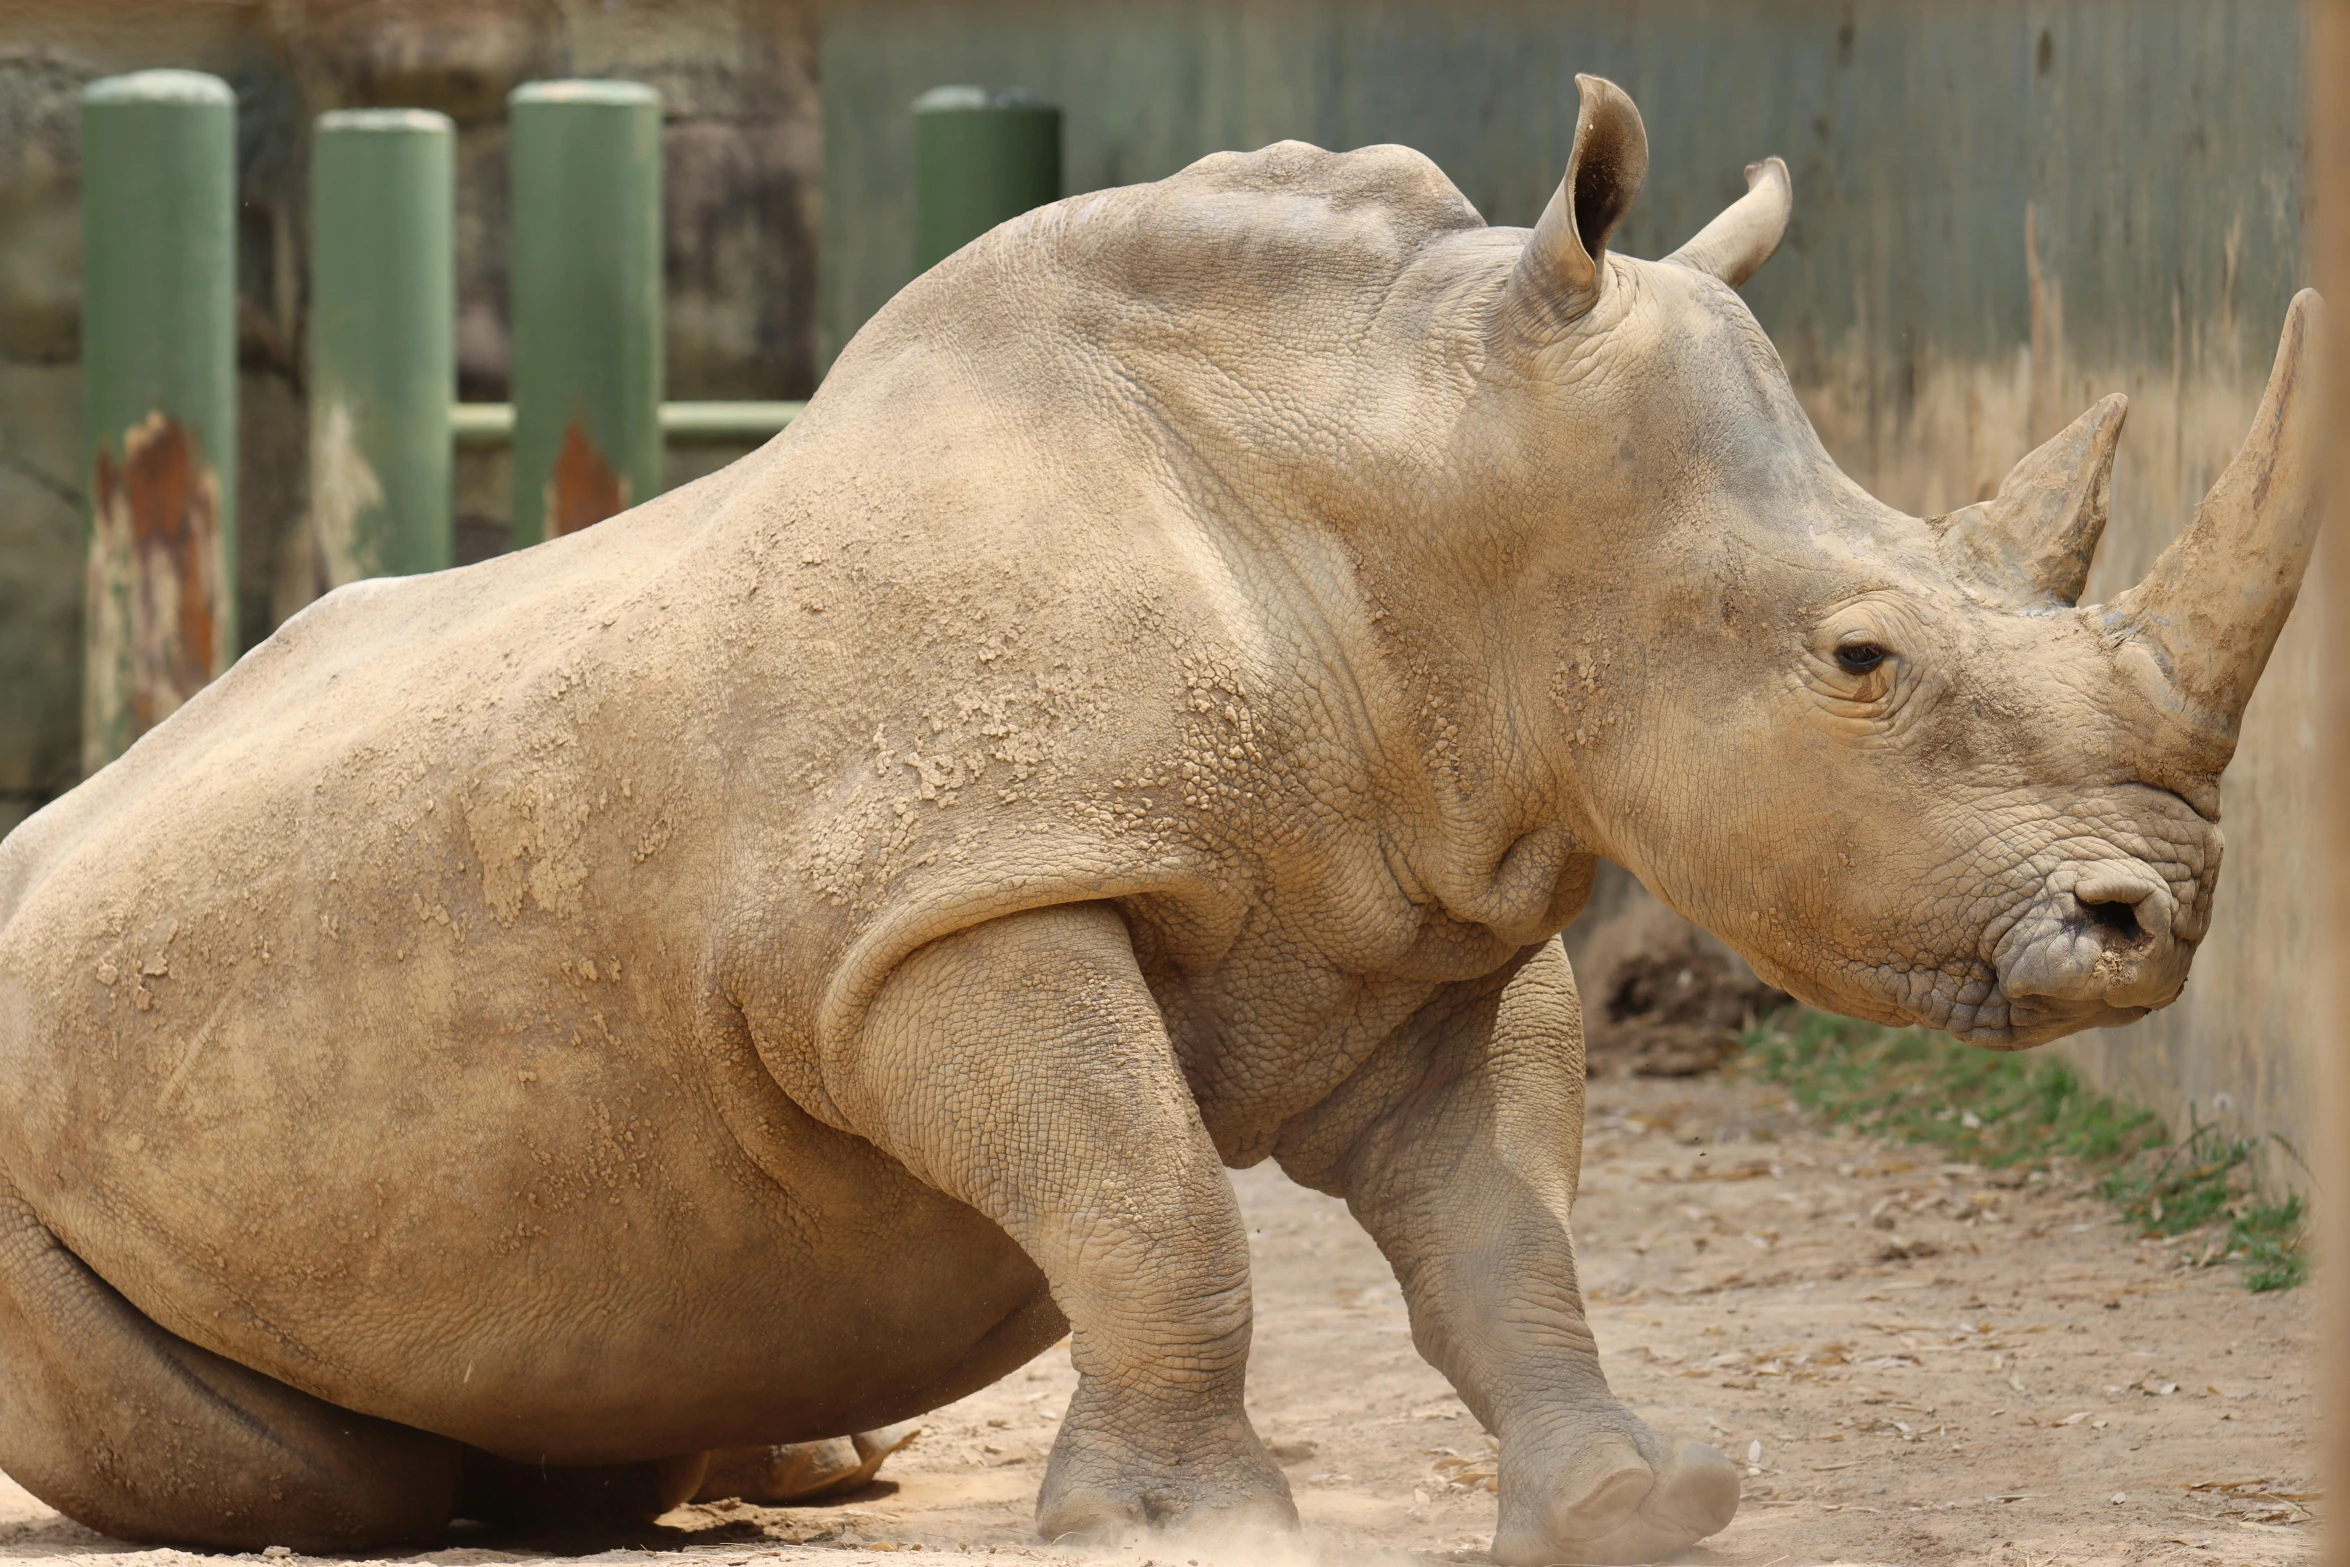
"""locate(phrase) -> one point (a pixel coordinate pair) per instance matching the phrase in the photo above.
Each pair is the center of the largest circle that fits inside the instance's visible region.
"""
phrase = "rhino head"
(1892, 760)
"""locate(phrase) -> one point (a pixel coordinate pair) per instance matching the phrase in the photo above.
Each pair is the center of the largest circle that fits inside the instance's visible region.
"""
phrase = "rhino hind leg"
(801, 1471)
(142, 1435)
(589, 1499)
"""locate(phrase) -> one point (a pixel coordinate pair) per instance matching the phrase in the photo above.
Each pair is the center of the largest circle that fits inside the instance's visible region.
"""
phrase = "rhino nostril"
(2119, 918)
(2125, 906)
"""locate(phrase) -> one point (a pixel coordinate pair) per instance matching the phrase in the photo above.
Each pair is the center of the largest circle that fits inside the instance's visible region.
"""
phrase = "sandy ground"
(1918, 1363)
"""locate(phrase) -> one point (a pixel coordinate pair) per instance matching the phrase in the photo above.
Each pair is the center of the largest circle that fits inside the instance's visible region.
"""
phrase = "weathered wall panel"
(741, 151)
(2003, 210)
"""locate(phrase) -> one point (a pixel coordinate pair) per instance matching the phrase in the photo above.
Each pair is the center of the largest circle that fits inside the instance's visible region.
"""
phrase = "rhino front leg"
(1467, 1186)
(1022, 1067)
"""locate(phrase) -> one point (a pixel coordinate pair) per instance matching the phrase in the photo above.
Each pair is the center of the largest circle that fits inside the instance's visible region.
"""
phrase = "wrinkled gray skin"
(763, 967)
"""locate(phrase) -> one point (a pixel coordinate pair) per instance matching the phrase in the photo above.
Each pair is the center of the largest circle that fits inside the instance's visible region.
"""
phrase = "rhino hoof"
(1079, 1514)
(1089, 1520)
(1601, 1493)
(1611, 1506)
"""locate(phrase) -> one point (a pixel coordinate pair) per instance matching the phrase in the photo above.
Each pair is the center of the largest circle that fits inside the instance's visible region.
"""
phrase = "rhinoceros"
(769, 964)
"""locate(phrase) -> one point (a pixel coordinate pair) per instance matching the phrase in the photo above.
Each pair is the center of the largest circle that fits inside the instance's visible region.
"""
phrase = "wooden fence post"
(383, 356)
(586, 162)
(159, 399)
(979, 159)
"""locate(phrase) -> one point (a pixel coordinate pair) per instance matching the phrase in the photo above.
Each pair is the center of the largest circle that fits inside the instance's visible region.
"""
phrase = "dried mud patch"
(1918, 1363)
(1661, 998)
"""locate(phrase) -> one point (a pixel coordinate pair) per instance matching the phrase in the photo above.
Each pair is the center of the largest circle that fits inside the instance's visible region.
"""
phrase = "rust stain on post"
(583, 488)
(156, 594)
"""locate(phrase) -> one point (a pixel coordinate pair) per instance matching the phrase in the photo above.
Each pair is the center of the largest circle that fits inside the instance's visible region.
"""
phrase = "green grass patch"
(2005, 1109)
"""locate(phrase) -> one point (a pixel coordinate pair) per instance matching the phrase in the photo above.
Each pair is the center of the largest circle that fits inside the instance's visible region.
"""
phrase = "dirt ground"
(1917, 1362)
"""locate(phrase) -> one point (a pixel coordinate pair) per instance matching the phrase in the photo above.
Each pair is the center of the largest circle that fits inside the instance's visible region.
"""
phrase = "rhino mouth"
(2061, 988)
(2100, 946)
(2020, 1024)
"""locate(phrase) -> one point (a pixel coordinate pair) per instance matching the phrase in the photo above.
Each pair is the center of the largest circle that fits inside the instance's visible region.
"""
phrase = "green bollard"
(586, 164)
(979, 159)
(159, 378)
(383, 344)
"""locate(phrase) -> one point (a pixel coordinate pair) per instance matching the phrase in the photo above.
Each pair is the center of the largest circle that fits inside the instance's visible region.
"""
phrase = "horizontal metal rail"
(492, 424)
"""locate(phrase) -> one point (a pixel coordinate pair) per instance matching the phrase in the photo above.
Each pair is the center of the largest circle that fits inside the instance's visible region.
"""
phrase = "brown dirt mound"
(1661, 998)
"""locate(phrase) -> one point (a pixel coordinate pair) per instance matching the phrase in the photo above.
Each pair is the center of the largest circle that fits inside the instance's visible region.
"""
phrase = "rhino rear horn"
(1562, 270)
(2030, 545)
(2211, 609)
(1735, 244)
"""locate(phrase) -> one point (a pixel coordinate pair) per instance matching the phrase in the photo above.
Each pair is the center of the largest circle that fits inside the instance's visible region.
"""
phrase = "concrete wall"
(2004, 210)
(737, 79)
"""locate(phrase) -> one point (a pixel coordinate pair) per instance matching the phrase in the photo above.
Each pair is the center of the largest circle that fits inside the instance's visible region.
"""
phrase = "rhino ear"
(2030, 545)
(1734, 245)
(1560, 273)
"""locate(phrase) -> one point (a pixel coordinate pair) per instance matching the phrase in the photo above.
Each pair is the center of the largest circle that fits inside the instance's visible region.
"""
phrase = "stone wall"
(737, 79)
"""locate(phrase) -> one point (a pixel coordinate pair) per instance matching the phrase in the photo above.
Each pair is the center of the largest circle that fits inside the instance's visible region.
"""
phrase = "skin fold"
(769, 964)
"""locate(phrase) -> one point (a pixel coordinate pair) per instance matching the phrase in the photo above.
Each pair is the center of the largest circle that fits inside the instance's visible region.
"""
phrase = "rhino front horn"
(1563, 267)
(2212, 607)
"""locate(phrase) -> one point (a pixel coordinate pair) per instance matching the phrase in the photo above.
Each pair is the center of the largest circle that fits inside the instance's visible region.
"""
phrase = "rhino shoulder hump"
(1404, 182)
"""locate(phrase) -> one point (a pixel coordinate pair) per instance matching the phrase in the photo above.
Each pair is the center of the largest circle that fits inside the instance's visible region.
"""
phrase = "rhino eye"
(1858, 658)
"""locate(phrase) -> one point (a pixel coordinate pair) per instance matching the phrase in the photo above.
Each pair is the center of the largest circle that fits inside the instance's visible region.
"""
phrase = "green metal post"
(979, 159)
(586, 163)
(383, 355)
(159, 376)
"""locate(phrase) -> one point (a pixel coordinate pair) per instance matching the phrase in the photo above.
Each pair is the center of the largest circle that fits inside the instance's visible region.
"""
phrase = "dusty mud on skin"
(1919, 1363)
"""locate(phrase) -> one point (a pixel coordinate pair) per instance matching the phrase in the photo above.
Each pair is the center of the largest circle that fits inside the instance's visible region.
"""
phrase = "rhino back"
(451, 984)
(396, 1003)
